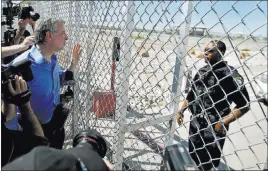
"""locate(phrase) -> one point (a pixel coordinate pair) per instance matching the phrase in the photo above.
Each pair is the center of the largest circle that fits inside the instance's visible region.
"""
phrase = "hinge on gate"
(265, 139)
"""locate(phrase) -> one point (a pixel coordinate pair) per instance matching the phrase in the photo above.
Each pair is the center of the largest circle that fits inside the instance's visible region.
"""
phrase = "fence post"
(77, 20)
(70, 6)
(179, 66)
(89, 47)
(122, 90)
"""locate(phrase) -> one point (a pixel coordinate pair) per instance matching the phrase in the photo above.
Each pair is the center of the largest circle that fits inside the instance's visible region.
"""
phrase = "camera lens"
(16, 10)
(35, 17)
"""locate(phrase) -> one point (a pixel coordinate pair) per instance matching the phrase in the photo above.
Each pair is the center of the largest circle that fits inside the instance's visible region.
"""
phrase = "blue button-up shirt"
(45, 87)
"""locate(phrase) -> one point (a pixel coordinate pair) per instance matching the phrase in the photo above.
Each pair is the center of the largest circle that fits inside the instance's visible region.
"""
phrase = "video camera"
(27, 12)
(22, 12)
(14, 10)
(21, 68)
(9, 12)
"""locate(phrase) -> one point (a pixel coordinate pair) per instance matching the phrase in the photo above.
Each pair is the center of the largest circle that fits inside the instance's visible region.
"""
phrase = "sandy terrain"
(150, 90)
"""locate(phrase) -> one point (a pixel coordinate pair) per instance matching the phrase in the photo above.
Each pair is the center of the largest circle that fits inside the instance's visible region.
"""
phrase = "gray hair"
(47, 25)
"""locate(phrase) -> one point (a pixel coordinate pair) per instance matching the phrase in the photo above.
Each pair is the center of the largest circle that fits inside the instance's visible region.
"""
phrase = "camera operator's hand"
(20, 31)
(28, 41)
(20, 86)
(22, 24)
(20, 94)
(32, 23)
(108, 164)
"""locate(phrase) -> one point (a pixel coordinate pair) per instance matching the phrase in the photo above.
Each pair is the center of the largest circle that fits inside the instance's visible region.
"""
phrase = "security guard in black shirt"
(213, 89)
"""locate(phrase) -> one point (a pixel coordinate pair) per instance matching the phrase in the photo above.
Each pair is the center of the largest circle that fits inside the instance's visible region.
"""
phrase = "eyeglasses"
(210, 50)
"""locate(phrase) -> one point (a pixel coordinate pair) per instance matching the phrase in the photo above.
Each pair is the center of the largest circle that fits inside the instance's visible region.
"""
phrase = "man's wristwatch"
(221, 122)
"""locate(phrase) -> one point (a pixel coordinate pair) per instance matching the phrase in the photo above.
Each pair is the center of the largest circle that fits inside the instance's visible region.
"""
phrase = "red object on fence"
(104, 102)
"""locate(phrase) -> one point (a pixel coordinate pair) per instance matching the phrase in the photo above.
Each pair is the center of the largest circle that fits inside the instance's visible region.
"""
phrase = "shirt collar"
(38, 57)
(220, 65)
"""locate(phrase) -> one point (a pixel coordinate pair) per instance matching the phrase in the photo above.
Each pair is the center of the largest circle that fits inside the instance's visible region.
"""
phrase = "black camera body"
(14, 10)
(21, 68)
(10, 12)
(22, 12)
(27, 12)
(93, 138)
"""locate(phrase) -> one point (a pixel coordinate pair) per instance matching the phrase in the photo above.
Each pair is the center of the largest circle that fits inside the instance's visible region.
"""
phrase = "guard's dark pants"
(209, 153)
(54, 130)
(55, 136)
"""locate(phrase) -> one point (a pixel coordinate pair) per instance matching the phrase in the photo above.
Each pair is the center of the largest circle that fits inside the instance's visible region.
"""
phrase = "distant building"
(194, 31)
(198, 31)
(239, 35)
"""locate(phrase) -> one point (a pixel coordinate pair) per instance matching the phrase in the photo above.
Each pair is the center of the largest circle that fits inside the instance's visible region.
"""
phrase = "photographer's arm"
(108, 164)
(19, 34)
(11, 50)
(32, 23)
(20, 31)
(30, 123)
(21, 97)
(9, 110)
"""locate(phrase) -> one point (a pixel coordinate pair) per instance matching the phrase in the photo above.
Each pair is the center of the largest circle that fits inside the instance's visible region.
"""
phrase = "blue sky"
(148, 13)
(253, 21)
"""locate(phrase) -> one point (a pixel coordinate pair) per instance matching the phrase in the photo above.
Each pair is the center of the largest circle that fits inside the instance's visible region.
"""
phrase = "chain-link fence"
(137, 65)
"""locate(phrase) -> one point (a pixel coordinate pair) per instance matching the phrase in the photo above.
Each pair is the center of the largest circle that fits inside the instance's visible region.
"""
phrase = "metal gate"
(159, 49)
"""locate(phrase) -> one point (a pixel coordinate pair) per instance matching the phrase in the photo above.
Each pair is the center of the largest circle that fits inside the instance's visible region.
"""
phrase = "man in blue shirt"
(50, 37)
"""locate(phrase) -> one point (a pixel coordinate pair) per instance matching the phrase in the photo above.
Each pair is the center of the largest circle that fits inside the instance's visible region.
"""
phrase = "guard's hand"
(179, 117)
(22, 24)
(28, 41)
(76, 54)
(220, 128)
